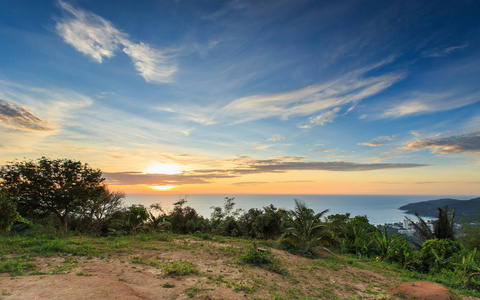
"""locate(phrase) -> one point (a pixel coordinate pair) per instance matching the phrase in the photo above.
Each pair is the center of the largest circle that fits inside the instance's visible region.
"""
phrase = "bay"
(379, 209)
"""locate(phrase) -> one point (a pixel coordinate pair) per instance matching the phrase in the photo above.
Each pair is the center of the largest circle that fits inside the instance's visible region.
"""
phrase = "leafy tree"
(307, 230)
(470, 236)
(135, 217)
(269, 225)
(224, 220)
(355, 234)
(156, 222)
(8, 213)
(184, 219)
(220, 213)
(99, 209)
(248, 222)
(59, 186)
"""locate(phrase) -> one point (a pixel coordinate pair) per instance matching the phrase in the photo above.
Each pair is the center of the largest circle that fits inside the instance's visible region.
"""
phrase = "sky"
(254, 97)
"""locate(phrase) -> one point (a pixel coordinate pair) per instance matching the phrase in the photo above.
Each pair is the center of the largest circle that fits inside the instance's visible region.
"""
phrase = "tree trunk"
(63, 220)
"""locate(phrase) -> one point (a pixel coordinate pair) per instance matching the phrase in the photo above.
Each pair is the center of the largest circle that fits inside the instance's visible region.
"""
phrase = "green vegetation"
(180, 268)
(72, 214)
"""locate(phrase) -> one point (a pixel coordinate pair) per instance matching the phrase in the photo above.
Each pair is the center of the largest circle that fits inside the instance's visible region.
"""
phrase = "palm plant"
(442, 227)
(306, 229)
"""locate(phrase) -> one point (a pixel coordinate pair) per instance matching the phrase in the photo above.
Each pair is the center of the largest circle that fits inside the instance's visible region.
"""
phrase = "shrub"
(257, 258)
(437, 253)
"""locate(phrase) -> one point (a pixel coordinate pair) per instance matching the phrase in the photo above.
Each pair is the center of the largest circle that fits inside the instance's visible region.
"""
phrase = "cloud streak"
(325, 99)
(246, 166)
(379, 141)
(424, 103)
(321, 102)
(18, 117)
(96, 37)
(137, 178)
(466, 143)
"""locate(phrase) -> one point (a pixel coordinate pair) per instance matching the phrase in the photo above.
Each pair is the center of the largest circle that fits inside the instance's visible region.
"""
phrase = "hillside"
(180, 267)
(467, 208)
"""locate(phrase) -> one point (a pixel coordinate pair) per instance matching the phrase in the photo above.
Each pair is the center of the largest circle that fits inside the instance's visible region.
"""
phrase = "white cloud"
(379, 141)
(96, 37)
(422, 103)
(320, 102)
(88, 33)
(153, 64)
(321, 119)
(348, 89)
(276, 138)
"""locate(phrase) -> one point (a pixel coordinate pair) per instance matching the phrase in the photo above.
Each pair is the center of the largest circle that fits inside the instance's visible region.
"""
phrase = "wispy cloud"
(18, 117)
(323, 150)
(320, 102)
(259, 146)
(273, 166)
(289, 158)
(379, 141)
(55, 104)
(423, 103)
(248, 183)
(321, 119)
(96, 37)
(137, 178)
(246, 165)
(89, 33)
(442, 52)
(276, 138)
(466, 143)
(154, 65)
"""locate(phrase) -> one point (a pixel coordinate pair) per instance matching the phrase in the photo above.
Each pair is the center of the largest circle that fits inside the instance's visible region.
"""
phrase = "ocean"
(379, 209)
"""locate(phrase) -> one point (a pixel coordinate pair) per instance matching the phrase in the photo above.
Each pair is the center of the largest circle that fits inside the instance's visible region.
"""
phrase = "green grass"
(180, 268)
(16, 266)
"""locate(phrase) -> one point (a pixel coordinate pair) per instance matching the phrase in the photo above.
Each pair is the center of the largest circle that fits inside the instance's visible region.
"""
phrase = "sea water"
(379, 209)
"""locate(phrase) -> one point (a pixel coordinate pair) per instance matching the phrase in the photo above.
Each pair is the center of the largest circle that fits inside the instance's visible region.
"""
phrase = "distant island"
(466, 208)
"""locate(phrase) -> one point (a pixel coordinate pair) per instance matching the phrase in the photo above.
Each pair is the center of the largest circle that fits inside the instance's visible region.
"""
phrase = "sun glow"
(163, 187)
(168, 169)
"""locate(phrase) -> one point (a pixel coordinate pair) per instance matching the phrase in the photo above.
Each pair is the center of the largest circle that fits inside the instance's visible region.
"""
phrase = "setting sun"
(163, 187)
(168, 169)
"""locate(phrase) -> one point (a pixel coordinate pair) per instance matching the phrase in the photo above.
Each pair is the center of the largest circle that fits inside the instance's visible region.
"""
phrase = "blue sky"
(340, 97)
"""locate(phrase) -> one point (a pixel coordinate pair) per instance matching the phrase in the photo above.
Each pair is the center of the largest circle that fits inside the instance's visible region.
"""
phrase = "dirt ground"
(220, 276)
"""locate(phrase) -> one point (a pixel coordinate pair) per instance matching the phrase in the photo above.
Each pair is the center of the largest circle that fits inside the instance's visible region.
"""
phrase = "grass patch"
(16, 267)
(265, 259)
(180, 268)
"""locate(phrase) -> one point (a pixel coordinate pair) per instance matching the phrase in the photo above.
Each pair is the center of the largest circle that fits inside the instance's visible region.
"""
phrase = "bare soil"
(220, 276)
(422, 290)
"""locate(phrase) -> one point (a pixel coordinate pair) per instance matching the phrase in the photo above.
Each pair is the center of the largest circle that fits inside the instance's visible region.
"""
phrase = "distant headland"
(469, 209)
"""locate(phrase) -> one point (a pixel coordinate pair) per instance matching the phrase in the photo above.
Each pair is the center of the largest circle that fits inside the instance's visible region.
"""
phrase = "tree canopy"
(51, 186)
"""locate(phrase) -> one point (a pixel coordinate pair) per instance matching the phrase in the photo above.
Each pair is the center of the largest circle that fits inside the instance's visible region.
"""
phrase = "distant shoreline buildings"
(405, 227)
